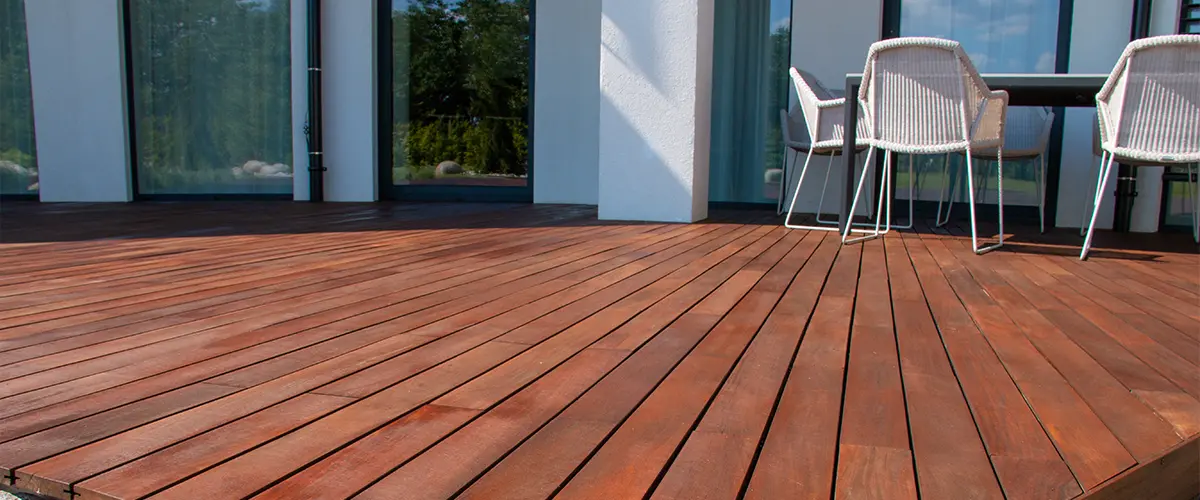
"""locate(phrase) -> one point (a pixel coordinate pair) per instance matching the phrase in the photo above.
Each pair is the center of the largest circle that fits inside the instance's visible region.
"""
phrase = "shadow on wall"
(649, 181)
(642, 175)
(635, 41)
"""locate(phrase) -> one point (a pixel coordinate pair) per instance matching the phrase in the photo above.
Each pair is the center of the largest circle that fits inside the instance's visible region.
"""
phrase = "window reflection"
(1000, 36)
(212, 91)
(460, 90)
(18, 153)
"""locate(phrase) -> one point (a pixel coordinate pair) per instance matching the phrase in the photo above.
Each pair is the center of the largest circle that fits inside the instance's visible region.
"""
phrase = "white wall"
(77, 71)
(655, 99)
(566, 142)
(299, 33)
(1099, 32)
(829, 50)
(348, 99)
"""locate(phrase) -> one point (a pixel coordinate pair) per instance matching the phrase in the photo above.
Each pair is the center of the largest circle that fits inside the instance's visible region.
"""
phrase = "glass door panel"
(460, 90)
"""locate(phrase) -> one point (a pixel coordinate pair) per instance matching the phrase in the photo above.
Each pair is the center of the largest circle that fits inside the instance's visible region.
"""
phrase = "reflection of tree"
(18, 157)
(212, 88)
(779, 84)
(461, 84)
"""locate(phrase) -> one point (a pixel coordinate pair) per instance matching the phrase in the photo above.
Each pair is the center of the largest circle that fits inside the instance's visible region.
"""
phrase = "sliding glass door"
(18, 153)
(211, 96)
(456, 99)
(751, 51)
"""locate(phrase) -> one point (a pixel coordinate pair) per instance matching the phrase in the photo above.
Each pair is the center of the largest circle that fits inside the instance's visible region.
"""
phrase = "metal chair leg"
(1107, 160)
(783, 184)
(792, 207)
(857, 194)
(1040, 185)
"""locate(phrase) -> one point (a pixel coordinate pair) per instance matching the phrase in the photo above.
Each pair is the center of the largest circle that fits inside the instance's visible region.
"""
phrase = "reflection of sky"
(1001, 36)
(781, 14)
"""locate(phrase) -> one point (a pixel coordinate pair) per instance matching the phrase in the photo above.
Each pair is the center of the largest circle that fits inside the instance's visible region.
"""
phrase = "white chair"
(1098, 156)
(1026, 135)
(823, 118)
(923, 96)
(1149, 113)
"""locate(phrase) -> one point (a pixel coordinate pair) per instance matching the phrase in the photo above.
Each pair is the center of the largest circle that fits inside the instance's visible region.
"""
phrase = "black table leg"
(1126, 193)
(849, 139)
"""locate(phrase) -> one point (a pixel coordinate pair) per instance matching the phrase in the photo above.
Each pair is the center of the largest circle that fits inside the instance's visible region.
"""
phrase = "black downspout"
(1127, 175)
(316, 156)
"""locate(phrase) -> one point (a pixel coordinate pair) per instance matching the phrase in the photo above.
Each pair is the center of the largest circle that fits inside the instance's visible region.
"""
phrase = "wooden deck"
(278, 350)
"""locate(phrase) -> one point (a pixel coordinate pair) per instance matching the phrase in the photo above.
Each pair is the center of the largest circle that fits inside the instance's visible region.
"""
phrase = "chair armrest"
(989, 125)
(832, 103)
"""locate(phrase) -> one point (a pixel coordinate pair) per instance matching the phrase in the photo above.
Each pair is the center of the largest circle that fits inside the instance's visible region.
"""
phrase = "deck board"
(221, 350)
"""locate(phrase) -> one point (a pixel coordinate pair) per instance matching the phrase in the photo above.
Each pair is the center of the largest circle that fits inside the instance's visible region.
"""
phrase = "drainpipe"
(316, 156)
(1127, 175)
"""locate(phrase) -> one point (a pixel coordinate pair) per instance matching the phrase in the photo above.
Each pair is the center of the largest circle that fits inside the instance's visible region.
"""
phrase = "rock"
(13, 168)
(253, 166)
(447, 168)
(261, 169)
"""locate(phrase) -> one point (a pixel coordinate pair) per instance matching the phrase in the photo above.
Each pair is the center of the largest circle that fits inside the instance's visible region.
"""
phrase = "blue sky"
(1001, 36)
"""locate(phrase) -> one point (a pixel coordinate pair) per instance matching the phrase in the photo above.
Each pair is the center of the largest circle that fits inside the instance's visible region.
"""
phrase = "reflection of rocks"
(447, 168)
(8, 167)
(260, 169)
(17, 170)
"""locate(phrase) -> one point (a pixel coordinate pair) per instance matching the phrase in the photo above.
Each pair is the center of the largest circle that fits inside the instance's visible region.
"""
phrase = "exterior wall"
(622, 100)
(77, 70)
(349, 95)
(566, 143)
(1099, 32)
(656, 94)
(299, 100)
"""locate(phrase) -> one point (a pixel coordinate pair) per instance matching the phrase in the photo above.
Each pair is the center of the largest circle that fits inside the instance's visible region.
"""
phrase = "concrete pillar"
(655, 108)
(76, 63)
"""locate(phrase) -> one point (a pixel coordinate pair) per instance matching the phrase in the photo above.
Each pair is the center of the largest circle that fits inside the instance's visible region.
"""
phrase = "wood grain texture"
(203, 350)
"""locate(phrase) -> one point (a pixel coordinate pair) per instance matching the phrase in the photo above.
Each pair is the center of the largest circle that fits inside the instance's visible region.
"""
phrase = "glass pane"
(212, 91)
(460, 92)
(18, 153)
(1000, 36)
(1177, 208)
(751, 57)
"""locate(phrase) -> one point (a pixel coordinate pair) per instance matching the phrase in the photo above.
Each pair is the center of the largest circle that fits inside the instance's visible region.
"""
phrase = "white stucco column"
(655, 108)
(76, 63)
(348, 99)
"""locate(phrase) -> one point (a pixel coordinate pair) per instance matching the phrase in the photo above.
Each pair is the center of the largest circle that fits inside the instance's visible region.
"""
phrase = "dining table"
(1052, 90)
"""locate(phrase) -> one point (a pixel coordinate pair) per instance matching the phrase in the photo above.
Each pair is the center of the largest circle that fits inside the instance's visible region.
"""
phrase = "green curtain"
(751, 50)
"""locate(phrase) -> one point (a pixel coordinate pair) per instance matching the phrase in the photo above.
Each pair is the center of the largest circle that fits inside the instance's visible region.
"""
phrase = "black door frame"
(385, 127)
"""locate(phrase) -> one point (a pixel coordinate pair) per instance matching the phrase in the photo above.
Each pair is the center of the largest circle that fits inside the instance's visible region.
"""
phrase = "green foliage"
(212, 82)
(461, 85)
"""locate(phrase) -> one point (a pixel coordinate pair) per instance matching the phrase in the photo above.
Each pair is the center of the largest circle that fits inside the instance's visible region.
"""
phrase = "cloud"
(782, 23)
(980, 60)
(1045, 63)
